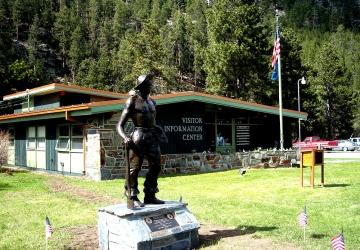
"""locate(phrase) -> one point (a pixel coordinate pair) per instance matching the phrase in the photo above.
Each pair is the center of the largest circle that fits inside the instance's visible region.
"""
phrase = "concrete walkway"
(335, 156)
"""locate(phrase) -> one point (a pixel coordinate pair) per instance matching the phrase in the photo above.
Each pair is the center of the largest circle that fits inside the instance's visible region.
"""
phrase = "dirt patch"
(57, 184)
(211, 237)
(85, 238)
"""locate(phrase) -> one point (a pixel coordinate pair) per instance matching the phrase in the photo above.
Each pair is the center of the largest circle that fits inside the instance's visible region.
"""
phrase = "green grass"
(266, 202)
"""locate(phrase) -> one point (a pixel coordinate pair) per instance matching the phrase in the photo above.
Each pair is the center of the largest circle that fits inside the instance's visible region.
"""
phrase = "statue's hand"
(127, 141)
(130, 144)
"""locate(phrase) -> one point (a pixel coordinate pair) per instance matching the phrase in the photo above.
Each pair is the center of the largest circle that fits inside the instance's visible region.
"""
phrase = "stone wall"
(208, 162)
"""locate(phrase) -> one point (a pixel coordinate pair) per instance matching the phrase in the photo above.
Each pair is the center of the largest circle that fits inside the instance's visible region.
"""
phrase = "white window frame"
(31, 135)
(40, 137)
(70, 138)
(63, 137)
(76, 137)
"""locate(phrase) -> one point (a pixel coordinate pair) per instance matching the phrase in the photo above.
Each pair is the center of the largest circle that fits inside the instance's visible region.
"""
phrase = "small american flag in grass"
(303, 219)
(48, 228)
(338, 242)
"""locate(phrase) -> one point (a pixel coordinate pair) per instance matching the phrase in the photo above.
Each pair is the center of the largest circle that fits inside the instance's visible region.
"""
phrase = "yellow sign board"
(310, 158)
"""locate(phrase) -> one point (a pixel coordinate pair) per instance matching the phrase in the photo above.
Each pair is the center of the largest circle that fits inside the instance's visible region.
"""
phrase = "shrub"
(4, 143)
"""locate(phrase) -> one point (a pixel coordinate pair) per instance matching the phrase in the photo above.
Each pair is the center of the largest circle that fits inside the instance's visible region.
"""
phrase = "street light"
(303, 81)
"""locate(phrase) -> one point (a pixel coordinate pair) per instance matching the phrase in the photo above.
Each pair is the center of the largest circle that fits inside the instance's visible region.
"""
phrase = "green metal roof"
(111, 106)
(118, 105)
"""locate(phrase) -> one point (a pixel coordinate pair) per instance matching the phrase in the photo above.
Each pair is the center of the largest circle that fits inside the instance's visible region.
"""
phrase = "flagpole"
(280, 92)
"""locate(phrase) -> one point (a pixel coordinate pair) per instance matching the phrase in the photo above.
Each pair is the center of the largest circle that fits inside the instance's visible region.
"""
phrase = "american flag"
(48, 228)
(303, 219)
(276, 54)
(338, 242)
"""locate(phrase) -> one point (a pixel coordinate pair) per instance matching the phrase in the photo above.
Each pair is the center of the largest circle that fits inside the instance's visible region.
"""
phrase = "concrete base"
(169, 226)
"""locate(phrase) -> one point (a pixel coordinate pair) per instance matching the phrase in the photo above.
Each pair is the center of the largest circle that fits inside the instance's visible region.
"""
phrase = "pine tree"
(198, 36)
(140, 10)
(94, 25)
(62, 29)
(143, 53)
(166, 11)
(46, 14)
(78, 49)
(120, 21)
(122, 64)
(235, 60)
(155, 13)
(330, 110)
(291, 67)
(17, 12)
(104, 67)
(182, 48)
(35, 57)
(5, 47)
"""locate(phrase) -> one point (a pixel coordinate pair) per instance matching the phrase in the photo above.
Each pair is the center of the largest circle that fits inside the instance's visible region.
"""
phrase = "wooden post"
(302, 168)
(322, 175)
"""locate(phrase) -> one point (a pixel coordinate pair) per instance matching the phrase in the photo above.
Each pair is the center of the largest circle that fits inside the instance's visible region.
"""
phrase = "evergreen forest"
(222, 47)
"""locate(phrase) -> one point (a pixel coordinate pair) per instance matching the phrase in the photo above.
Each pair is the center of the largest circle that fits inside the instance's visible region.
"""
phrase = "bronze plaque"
(161, 222)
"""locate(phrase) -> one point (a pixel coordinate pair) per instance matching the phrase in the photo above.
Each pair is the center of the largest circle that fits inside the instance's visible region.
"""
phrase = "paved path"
(354, 155)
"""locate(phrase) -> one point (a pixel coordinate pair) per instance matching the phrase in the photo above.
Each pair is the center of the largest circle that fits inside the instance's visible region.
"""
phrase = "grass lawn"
(265, 202)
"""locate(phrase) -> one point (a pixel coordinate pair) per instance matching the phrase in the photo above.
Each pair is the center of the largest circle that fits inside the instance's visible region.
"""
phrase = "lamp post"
(303, 81)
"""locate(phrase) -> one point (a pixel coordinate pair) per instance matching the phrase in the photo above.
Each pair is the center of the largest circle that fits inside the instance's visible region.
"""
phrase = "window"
(76, 130)
(36, 138)
(62, 142)
(64, 130)
(70, 138)
(76, 138)
(31, 138)
(76, 143)
(41, 137)
(224, 135)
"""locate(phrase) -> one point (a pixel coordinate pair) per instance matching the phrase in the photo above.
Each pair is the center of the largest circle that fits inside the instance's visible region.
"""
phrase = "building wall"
(11, 147)
(51, 101)
(184, 125)
(70, 148)
(191, 127)
(40, 145)
(11, 156)
(197, 127)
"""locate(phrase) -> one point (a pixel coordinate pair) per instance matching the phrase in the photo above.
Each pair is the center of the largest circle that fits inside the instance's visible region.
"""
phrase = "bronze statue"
(143, 142)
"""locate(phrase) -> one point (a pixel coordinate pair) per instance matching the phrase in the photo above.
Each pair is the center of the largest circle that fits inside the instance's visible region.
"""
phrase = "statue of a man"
(143, 142)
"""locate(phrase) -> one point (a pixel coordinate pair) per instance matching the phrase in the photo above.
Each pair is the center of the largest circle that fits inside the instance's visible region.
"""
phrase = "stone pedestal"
(169, 226)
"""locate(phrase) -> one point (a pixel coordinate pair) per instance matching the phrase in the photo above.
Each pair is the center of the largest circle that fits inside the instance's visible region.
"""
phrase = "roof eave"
(56, 87)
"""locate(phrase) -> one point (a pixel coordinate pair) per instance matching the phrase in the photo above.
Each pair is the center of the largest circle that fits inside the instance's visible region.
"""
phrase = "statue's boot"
(151, 199)
(137, 202)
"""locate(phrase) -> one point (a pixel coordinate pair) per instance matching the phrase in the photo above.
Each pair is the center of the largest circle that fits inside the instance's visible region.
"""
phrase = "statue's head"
(144, 82)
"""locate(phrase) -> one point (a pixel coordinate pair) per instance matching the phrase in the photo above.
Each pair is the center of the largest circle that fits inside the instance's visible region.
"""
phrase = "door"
(20, 146)
(50, 148)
